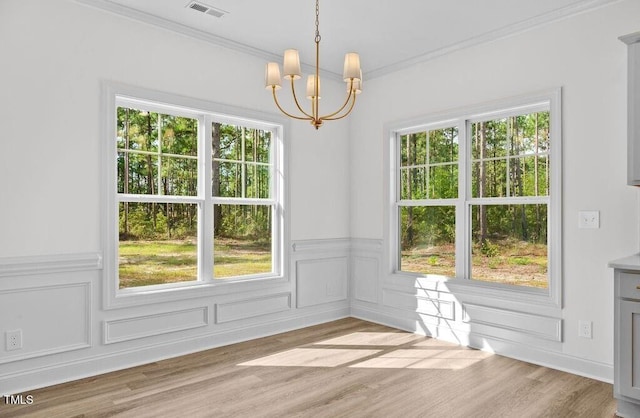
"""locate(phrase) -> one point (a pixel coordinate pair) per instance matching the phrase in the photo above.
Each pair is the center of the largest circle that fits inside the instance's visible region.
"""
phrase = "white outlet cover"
(589, 219)
(13, 340)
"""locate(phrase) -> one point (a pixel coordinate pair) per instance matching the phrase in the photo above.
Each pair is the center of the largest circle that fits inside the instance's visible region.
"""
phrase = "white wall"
(56, 53)
(55, 56)
(582, 55)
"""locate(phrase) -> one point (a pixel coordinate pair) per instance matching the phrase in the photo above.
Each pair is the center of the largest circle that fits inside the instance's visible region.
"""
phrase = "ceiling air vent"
(206, 9)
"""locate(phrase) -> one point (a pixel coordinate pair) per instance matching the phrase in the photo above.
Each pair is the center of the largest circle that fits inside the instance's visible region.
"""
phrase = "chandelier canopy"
(352, 75)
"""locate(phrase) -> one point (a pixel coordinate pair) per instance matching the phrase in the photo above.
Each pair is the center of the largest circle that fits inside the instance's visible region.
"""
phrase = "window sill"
(491, 293)
(125, 298)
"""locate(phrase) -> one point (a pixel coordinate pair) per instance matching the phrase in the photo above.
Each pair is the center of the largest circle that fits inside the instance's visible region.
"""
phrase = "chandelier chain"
(317, 21)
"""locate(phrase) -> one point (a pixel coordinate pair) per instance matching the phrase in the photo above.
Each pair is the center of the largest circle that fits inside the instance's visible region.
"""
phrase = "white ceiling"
(386, 33)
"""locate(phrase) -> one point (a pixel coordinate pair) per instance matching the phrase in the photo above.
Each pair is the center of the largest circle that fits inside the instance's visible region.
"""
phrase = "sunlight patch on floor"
(312, 357)
(416, 353)
(425, 359)
(372, 338)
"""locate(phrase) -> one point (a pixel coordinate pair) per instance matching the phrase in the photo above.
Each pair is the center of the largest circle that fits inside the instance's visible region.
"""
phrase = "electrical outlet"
(13, 339)
(584, 329)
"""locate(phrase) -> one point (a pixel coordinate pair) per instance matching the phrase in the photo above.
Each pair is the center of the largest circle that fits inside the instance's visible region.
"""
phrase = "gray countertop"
(627, 263)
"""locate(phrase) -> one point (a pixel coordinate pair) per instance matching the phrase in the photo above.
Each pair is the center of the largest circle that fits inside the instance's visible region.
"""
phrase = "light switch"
(589, 219)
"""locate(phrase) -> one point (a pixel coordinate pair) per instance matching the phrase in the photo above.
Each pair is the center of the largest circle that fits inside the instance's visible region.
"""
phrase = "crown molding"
(505, 32)
(510, 30)
(170, 25)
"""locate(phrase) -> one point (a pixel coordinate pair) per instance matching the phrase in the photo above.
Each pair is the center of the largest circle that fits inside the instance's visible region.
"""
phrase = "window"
(477, 196)
(197, 196)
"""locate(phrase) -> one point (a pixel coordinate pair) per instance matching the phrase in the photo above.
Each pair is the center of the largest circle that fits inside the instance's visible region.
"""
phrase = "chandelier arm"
(275, 99)
(295, 99)
(346, 102)
(353, 102)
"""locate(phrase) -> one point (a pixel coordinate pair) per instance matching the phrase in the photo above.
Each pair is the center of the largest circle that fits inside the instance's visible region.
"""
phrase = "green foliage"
(429, 164)
(147, 221)
(488, 249)
(245, 221)
(157, 155)
(520, 261)
(509, 156)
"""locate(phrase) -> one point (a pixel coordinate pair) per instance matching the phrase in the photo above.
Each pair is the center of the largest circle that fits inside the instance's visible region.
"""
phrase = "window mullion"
(205, 222)
(463, 228)
(276, 190)
(160, 191)
(397, 194)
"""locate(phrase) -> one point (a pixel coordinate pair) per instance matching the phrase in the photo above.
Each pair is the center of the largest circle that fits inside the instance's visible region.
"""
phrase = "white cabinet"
(629, 382)
(626, 387)
(633, 108)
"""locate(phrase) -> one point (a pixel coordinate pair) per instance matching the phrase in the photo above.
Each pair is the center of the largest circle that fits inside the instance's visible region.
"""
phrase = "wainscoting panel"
(533, 325)
(52, 319)
(149, 325)
(321, 281)
(249, 308)
(432, 307)
(365, 277)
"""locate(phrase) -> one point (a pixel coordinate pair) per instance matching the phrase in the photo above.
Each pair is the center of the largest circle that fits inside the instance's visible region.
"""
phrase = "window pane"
(143, 140)
(227, 141)
(530, 133)
(443, 145)
(227, 179)
(427, 239)
(242, 240)
(179, 176)
(257, 185)
(489, 139)
(179, 135)
(489, 178)
(158, 243)
(510, 156)
(413, 183)
(509, 244)
(413, 149)
(263, 147)
(443, 181)
(137, 173)
(137, 129)
(257, 144)
(529, 176)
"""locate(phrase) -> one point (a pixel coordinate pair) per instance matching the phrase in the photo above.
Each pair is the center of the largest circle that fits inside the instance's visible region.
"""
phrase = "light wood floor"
(346, 368)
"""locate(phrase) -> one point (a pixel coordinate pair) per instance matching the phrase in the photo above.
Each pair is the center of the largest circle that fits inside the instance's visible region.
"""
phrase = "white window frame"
(547, 100)
(118, 95)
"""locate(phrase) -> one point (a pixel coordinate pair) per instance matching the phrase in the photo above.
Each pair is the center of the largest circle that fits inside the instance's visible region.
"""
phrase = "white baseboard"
(555, 360)
(32, 379)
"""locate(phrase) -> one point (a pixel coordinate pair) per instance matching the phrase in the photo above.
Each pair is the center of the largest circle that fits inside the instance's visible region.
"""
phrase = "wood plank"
(378, 372)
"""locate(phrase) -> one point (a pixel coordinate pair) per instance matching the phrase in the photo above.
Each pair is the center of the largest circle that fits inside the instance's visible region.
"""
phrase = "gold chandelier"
(352, 75)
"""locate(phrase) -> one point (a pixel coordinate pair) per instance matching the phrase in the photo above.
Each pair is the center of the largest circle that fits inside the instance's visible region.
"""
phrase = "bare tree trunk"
(126, 173)
(482, 180)
(519, 179)
(150, 181)
(410, 161)
(215, 186)
(535, 180)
